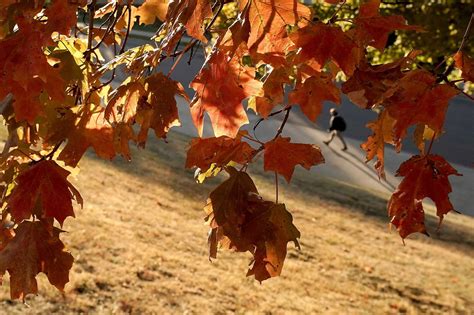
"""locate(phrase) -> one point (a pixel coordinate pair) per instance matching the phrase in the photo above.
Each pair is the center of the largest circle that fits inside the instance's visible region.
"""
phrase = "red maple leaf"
(466, 64)
(282, 156)
(373, 29)
(424, 176)
(368, 85)
(46, 184)
(323, 43)
(417, 98)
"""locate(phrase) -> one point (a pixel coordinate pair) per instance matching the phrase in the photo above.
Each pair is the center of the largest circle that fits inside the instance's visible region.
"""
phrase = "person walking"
(337, 126)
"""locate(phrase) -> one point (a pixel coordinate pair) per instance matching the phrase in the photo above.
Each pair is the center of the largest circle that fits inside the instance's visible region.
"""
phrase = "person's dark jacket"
(337, 123)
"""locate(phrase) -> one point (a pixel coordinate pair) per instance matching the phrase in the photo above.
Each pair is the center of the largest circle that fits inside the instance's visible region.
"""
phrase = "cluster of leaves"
(58, 101)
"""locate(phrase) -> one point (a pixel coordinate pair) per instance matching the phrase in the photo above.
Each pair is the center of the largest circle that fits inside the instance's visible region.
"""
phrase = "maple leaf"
(273, 90)
(270, 229)
(373, 29)
(220, 89)
(227, 208)
(45, 183)
(241, 220)
(25, 71)
(374, 146)
(34, 249)
(323, 43)
(261, 105)
(424, 177)
(368, 85)
(311, 94)
(219, 151)
(122, 107)
(234, 40)
(465, 64)
(91, 130)
(417, 98)
(268, 20)
(282, 156)
(190, 13)
(160, 111)
(152, 9)
(151, 103)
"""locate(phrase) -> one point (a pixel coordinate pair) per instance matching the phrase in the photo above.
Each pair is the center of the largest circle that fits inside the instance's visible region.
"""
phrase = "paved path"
(457, 145)
(349, 166)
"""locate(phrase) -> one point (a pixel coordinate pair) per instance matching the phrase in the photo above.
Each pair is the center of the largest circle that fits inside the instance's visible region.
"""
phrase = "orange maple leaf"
(323, 43)
(424, 176)
(35, 248)
(220, 151)
(268, 20)
(45, 183)
(273, 90)
(151, 103)
(227, 208)
(282, 156)
(374, 146)
(92, 130)
(220, 89)
(311, 94)
(152, 9)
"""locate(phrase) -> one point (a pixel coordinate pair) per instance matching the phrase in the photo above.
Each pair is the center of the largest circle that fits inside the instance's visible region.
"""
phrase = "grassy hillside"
(140, 247)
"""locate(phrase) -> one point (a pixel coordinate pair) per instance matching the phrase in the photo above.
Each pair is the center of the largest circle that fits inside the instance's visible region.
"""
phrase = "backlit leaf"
(219, 151)
(44, 183)
(311, 94)
(220, 89)
(282, 156)
(34, 249)
(424, 177)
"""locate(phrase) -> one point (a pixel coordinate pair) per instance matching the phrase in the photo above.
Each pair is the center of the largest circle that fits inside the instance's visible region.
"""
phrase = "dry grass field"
(140, 248)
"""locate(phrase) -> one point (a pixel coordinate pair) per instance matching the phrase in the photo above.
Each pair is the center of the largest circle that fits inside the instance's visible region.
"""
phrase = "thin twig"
(431, 144)
(108, 30)
(463, 42)
(283, 123)
(333, 17)
(50, 154)
(251, 139)
(466, 33)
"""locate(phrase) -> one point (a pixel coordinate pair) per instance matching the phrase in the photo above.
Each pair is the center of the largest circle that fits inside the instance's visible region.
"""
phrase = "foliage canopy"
(61, 96)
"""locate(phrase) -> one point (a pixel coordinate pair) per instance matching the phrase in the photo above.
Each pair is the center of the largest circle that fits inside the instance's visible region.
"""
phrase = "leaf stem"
(283, 123)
